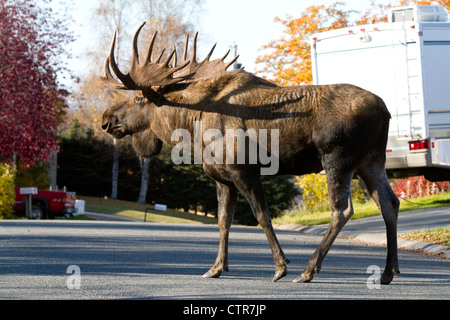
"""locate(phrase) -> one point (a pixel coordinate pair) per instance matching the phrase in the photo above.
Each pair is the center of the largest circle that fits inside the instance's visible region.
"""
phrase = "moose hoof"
(301, 279)
(387, 278)
(388, 275)
(279, 275)
(211, 275)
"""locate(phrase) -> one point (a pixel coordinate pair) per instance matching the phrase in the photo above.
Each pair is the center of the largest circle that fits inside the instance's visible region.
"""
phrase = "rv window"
(397, 16)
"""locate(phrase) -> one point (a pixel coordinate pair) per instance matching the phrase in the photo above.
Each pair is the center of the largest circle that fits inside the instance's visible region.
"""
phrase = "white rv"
(407, 63)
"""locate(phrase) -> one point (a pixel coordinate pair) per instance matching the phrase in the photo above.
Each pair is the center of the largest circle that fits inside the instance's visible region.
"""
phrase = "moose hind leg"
(374, 176)
(226, 198)
(252, 190)
(341, 211)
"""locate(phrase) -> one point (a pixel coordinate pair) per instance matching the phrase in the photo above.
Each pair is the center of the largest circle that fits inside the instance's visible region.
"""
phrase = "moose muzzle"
(112, 125)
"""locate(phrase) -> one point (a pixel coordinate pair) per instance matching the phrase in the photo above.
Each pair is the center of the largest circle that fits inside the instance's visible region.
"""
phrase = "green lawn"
(137, 211)
(361, 210)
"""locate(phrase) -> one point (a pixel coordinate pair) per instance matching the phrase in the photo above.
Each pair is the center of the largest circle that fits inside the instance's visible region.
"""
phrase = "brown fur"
(341, 129)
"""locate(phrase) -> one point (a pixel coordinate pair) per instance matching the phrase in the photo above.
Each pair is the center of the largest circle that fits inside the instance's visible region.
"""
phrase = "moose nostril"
(105, 126)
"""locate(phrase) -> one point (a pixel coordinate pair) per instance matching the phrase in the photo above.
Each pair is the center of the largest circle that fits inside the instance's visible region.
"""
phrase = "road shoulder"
(371, 230)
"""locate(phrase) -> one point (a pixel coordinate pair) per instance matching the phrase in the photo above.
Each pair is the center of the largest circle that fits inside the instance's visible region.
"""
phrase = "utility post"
(236, 65)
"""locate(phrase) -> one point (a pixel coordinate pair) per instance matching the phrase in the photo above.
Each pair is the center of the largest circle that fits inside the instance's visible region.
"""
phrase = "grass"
(137, 211)
(439, 235)
(306, 218)
(298, 217)
(301, 217)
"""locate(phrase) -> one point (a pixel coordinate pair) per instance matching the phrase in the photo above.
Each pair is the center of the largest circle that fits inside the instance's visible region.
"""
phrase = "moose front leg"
(226, 198)
(252, 190)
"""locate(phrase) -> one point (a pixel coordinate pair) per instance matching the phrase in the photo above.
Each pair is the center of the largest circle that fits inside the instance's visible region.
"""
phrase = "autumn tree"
(288, 60)
(7, 193)
(32, 44)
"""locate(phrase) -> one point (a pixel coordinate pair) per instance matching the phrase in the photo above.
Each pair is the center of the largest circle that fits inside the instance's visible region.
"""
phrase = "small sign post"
(28, 192)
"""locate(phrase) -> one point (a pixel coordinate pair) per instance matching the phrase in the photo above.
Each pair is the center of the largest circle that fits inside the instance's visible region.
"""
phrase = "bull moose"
(341, 129)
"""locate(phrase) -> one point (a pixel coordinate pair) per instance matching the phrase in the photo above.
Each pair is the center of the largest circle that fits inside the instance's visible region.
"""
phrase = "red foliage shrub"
(417, 187)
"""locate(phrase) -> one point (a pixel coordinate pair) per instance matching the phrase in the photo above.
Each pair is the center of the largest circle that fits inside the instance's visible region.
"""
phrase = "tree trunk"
(144, 180)
(52, 170)
(115, 170)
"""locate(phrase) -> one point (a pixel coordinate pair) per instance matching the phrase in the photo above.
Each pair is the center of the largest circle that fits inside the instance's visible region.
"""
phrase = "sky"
(248, 24)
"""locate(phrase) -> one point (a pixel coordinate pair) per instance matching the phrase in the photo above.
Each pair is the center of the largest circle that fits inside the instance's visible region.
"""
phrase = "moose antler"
(146, 75)
(205, 68)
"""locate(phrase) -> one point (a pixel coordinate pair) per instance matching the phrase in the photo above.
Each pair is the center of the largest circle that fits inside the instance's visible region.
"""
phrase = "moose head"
(151, 77)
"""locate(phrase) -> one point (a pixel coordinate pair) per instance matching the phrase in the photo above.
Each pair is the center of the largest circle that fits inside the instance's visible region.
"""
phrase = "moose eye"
(138, 99)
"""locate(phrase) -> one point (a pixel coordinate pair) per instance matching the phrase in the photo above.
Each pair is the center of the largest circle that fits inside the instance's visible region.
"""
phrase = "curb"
(108, 217)
(428, 248)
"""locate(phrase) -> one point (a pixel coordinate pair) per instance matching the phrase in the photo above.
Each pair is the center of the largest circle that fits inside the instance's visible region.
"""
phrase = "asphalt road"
(51, 260)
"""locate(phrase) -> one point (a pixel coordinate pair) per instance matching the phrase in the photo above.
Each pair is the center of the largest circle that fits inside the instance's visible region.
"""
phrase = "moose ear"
(154, 97)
